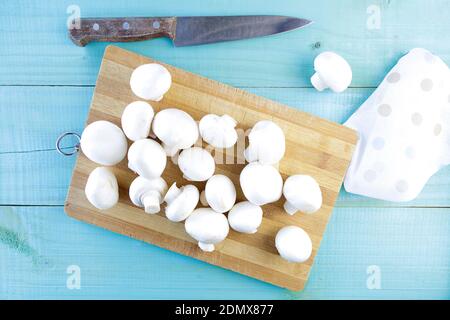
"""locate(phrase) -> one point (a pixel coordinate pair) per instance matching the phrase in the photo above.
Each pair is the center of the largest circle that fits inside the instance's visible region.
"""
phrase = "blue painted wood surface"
(46, 84)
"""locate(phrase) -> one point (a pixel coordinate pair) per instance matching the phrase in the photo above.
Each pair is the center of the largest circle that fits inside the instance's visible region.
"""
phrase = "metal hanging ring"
(75, 149)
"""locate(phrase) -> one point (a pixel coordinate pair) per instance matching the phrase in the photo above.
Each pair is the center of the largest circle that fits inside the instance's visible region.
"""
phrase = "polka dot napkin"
(404, 130)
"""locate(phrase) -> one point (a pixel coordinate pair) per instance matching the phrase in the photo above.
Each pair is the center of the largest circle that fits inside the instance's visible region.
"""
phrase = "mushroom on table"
(207, 227)
(148, 193)
(147, 158)
(104, 143)
(181, 202)
(245, 217)
(266, 143)
(332, 71)
(176, 129)
(220, 193)
(302, 193)
(150, 81)
(102, 189)
(137, 119)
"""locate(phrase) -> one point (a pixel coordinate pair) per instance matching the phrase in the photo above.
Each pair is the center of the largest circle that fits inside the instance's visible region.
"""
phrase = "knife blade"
(184, 31)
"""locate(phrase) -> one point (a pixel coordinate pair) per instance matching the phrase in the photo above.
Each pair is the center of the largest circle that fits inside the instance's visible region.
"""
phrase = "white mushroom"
(261, 184)
(176, 129)
(266, 143)
(293, 244)
(181, 202)
(302, 193)
(218, 131)
(220, 193)
(332, 71)
(103, 142)
(148, 193)
(207, 227)
(137, 119)
(197, 164)
(150, 81)
(245, 217)
(147, 158)
(101, 188)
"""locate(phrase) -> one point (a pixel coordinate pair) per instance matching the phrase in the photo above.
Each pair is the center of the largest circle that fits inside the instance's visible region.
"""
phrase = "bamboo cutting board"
(314, 146)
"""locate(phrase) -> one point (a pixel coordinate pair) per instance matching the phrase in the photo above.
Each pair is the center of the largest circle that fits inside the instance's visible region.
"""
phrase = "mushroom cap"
(245, 217)
(196, 163)
(261, 184)
(142, 189)
(102, 189)
(207, 226)
(104, 143)
(218, 131)
(150, 81)
(266, 143)
(293, 244)
(220, 193)
(147, 158)
(333, 70)
(181, 201)
(137, 119)
(303, 193)
(176, 129)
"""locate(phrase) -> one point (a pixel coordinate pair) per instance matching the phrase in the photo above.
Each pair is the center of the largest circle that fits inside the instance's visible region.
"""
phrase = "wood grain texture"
(36, 49)
(315, 146)
(38, 244)
(29, 161)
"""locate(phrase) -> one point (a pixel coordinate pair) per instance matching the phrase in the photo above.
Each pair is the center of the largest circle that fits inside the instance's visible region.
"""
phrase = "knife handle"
(121, 29)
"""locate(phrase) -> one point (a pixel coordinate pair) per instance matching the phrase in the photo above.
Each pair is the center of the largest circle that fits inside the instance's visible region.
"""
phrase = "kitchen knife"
(184, 31)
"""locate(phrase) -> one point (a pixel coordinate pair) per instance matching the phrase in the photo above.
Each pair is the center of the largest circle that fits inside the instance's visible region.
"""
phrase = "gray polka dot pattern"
(404, 127)
(410, 152)
(401, 186)
(379, 166)
(416, 119)
(378, 143)
(426, 84)
(384, 110)
(437, 129)
(370, 175)
(393, 77)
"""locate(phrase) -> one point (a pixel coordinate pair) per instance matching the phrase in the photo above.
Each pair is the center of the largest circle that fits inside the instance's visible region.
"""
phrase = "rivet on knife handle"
(122, 29)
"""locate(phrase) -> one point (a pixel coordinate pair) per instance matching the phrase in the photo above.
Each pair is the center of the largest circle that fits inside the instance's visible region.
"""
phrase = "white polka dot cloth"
(404, 130)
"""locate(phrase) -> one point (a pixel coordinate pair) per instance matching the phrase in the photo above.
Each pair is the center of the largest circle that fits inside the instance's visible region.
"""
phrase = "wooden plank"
(38, 244)
(36, 49)
(327, 141)
(35, 124)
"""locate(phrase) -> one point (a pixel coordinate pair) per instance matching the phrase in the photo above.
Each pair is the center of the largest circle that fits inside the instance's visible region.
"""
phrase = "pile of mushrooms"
(173, 132)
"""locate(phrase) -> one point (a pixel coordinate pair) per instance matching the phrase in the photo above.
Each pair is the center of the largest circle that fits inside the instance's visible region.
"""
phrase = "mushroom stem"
(170, 150)
(206, 246)
(172, 193)
(318, 83)
(250, 154)
(290, 208)
(151, 201)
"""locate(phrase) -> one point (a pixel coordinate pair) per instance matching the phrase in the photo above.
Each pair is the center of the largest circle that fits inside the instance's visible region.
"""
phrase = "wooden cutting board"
(314, 146)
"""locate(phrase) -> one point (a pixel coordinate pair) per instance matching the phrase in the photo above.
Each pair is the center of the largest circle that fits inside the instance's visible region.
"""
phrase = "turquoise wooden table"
(371, 249)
